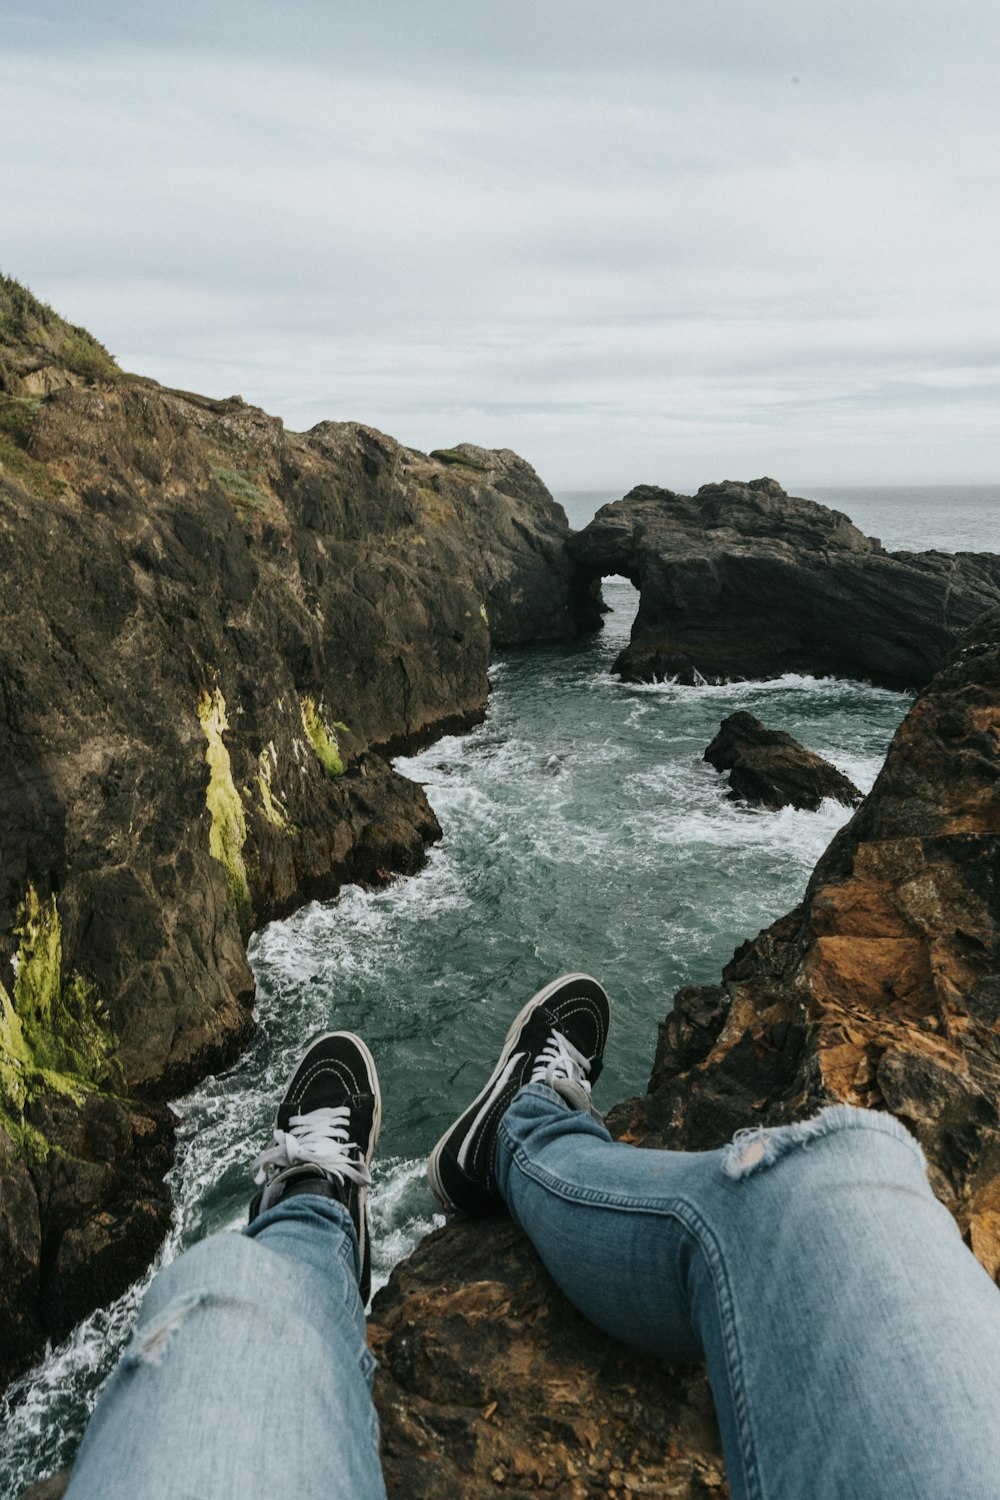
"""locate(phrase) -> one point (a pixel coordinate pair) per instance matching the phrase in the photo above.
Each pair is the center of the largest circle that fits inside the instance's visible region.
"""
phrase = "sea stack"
(743, 581)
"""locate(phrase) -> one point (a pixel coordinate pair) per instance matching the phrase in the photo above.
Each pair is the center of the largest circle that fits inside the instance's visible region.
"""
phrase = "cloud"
(615, 239)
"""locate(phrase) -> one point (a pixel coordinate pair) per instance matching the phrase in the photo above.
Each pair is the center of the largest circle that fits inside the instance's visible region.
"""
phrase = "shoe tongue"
(290, 1108)
(543, 1023)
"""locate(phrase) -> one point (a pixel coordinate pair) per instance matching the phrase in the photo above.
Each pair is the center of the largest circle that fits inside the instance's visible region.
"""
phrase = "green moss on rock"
(53, 1030)
(16, 1063)
(239, 488)
(453, 456)
(322, 737)
(17, 413)
(228, 831)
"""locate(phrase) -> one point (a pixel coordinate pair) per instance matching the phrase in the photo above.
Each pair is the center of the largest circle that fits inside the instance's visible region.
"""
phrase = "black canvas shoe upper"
(558, 1038)
(325, 1132)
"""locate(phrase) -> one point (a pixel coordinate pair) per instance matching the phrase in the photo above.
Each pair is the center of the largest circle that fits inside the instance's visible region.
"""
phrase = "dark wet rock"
(743, 581)
(881, 989)
(212, 634)
(768, 768)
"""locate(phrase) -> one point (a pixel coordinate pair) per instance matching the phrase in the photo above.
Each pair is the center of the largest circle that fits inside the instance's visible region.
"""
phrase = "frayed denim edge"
(149, 1343)
(760, 1146)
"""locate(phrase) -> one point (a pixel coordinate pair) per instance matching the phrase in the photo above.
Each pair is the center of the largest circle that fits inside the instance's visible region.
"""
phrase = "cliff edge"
(212, 634)
(882, 989)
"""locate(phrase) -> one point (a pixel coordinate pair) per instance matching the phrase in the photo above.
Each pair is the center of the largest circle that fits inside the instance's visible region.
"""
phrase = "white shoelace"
(560, 1059)
(318, 1139)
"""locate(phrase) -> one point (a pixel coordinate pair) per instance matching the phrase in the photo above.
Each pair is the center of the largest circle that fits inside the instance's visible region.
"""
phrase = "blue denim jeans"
(248, 1373)
(852, 1341)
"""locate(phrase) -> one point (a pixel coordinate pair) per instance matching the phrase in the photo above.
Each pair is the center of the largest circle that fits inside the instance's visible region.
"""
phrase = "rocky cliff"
(744, 581)
(881, 989)
(212, 632)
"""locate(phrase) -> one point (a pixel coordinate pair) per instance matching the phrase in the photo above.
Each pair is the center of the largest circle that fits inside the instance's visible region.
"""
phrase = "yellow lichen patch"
(483, 615)
(15, 1055)
(273, 810)
(322, 737)
(228, 832)
(53, 1032)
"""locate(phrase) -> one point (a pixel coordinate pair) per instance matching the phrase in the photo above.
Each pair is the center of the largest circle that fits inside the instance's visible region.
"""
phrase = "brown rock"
(488, 1379)
(212, 634)
(882, 988)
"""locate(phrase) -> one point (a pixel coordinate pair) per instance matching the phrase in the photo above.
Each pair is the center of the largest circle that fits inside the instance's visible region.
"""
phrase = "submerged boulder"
(743, 581)
(768, 768)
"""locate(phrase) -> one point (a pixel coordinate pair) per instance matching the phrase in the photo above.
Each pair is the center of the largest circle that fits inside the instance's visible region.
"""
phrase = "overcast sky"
(649, 240)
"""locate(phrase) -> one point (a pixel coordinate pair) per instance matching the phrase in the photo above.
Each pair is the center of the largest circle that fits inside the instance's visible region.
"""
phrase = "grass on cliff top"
(32, 334)
(452, 456)
(17, 413)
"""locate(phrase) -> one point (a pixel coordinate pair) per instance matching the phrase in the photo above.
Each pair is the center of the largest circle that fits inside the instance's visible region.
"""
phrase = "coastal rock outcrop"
(212, 634)
(743, 581)
(881, 989)
(490, 1383)
(769, 768)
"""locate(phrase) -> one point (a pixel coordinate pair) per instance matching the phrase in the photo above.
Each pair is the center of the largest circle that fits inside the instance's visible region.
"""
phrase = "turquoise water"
(582, 829)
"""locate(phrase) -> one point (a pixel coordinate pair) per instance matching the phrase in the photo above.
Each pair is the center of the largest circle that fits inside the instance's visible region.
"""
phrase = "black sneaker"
(325, 1134)
(558, 1038)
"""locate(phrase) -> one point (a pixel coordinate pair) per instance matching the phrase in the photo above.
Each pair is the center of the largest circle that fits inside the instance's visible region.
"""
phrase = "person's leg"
(852, 1341)
(248, 1373)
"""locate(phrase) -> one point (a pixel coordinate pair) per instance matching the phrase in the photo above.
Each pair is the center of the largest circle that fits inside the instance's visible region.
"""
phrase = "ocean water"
(582, 830)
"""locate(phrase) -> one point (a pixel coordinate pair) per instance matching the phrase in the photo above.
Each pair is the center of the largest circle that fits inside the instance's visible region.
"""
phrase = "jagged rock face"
(882, 989)
(768, 768)
(744, 581)
(211, 632)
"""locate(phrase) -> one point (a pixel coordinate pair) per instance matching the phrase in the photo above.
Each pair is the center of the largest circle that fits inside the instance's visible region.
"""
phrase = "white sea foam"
(751, 688)
(399, 1209)
(582, 829)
